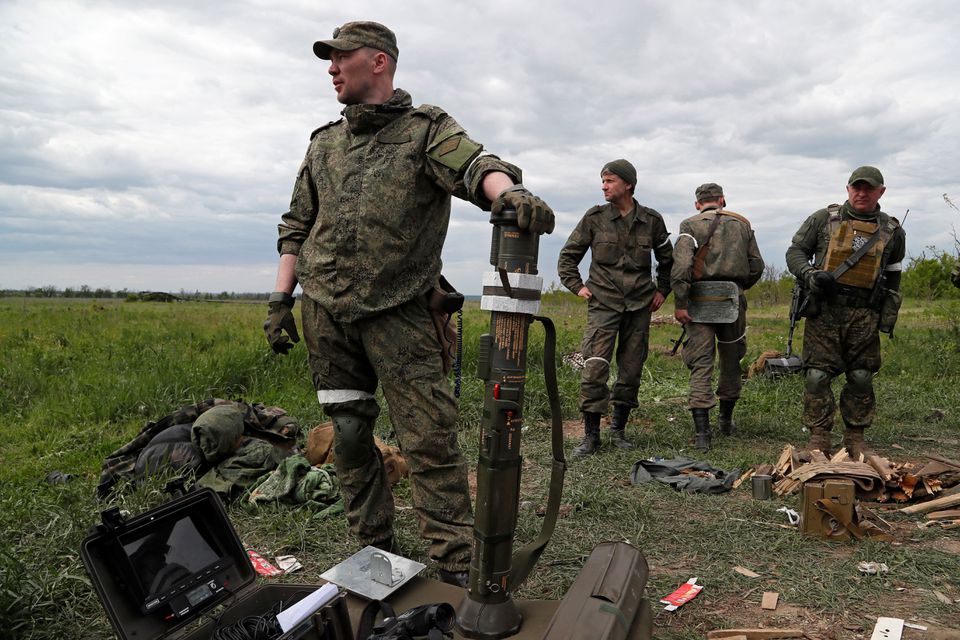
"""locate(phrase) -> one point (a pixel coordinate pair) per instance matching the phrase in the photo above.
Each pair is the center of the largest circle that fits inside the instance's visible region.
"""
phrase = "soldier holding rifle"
(849, 259)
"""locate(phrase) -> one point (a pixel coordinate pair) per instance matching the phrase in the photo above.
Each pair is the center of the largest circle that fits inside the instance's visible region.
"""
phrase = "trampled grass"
(79, 378)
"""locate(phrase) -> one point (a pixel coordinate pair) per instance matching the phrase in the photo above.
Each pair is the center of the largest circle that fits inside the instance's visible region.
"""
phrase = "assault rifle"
(790, 363)
(678, 341)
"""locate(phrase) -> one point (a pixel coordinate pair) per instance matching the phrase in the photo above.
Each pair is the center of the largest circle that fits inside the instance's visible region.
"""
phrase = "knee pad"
(817, 381)
(860, 380)
(354, 440)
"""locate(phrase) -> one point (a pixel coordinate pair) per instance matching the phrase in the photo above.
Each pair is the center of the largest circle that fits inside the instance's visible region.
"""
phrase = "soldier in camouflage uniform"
(841, 334)
(363, 238)
(731, 255)
(620, 295)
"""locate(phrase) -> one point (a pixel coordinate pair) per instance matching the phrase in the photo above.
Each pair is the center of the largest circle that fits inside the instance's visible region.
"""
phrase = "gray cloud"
(156, 144)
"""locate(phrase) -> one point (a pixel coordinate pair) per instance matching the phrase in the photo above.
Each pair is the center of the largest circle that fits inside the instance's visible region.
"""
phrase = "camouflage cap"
(354, 35)
(870, 175)
(709, 191)
(621, 168)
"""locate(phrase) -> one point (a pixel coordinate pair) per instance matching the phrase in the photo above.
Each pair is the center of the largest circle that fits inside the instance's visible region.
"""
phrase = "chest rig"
(847, 237)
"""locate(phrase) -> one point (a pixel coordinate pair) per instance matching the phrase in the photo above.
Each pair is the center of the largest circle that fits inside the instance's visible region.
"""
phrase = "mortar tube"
(512, 293)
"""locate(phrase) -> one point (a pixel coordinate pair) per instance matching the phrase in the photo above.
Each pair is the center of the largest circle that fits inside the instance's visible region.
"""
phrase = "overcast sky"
(153, 145)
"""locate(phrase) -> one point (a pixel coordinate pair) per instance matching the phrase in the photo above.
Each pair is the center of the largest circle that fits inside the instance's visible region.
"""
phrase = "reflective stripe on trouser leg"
(336, 396)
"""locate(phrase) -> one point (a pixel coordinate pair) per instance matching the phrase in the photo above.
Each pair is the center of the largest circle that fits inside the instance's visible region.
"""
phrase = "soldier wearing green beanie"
(621, 294)
(847, 312)
(363, 238)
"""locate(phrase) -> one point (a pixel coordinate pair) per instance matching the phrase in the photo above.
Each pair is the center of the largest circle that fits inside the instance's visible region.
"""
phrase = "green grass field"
(78, 378)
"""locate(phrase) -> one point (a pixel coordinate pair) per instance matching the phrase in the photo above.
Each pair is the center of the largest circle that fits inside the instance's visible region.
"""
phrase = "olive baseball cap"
(709, 191)
(870, 175)
(621, 168)
(354, 35)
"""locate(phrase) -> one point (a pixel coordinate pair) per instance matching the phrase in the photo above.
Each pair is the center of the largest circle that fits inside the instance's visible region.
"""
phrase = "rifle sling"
(701, 254)
(855, 257)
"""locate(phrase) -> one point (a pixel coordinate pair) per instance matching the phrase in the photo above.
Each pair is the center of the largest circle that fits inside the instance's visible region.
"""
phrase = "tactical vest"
(846, 237)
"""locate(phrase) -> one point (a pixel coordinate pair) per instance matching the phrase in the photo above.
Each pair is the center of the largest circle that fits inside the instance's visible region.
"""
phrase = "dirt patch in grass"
(573, 428)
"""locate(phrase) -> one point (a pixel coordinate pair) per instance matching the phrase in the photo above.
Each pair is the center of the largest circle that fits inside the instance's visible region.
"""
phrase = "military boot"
(820, 439)
(855, 444)
(725, 421)
(620, 414)
(456, 578)
(701, 423)
(591, 435)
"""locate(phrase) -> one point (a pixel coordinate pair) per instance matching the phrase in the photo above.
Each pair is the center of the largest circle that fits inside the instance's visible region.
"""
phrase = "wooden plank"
(783, 463)
(841, 456)
(743, 478)
(817, 456)
(746, 572)
(949, 514)
(764, 469)
(952, 491)
(755, 634)
(769, 601)
(943, 460)
(786, 486)
(934, 469)
(932, 505)
(882, 465)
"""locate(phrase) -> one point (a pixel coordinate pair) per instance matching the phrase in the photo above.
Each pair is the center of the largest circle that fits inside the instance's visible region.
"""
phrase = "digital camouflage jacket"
(732, 253)
(371, 204)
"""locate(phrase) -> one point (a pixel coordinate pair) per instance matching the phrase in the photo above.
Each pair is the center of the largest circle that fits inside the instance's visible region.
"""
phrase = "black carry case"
(157, 573)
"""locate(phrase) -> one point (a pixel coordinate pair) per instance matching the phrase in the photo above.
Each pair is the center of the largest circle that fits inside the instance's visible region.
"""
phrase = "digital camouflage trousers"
(399, 350)
(841, 340)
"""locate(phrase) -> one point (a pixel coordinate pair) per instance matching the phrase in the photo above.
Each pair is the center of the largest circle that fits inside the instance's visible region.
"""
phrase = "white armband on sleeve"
(896, 266)
(666, 242)
(695, 244)
(468, 173)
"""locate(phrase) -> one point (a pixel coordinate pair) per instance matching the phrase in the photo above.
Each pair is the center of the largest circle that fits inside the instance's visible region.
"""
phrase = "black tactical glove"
(532, 212)
(280, 319)
(819, 282)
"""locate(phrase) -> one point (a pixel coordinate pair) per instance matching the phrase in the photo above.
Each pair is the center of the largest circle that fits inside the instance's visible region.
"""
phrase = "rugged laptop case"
(157, 574)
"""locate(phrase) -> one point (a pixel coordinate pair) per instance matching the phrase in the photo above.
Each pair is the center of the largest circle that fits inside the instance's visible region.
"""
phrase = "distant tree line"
(925, 277)
(84, 291)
